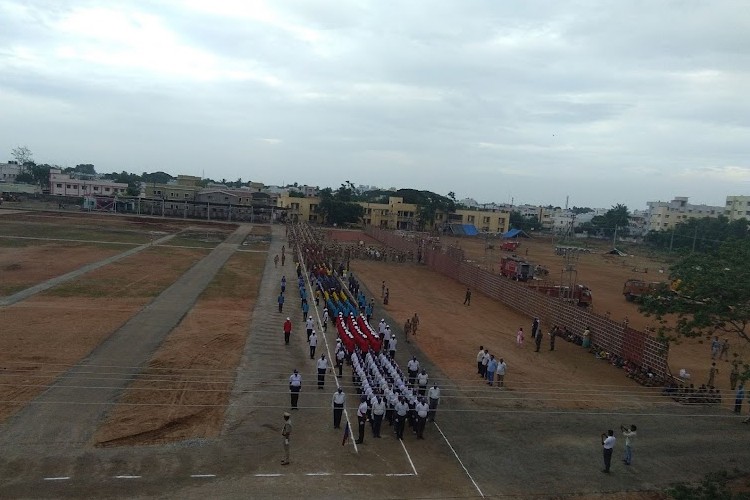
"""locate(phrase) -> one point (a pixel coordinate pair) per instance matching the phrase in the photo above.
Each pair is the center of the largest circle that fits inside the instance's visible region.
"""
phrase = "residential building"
(300, 209)
(184, 188)
(737, 207)
(9, 171)
(82, 185)
(486, 221)
(663, 215)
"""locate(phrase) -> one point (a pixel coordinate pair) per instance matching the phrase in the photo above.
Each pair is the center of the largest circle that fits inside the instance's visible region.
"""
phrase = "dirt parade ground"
(154, 366)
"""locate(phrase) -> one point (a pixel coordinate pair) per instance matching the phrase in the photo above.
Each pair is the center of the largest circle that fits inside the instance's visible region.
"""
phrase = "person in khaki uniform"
(286, 432)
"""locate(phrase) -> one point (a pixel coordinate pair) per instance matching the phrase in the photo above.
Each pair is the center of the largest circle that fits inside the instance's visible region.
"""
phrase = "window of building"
(96, 188)
(59, 185)
(106, 190)
(187, 195)
(67, 186)
(158, 192)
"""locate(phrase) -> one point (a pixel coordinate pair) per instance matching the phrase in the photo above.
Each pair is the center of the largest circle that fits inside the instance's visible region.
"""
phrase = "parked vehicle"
(578, 294)
(633, 289)
(510, 245)
(516, 268)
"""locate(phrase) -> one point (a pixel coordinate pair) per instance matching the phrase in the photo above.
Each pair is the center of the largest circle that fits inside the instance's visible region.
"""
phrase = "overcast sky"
(607, 102)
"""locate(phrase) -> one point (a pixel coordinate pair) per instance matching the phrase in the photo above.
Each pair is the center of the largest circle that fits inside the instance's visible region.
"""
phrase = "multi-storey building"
(663, 215)
(184, 188)
(9, 171)
(737, 207)
(61, 184)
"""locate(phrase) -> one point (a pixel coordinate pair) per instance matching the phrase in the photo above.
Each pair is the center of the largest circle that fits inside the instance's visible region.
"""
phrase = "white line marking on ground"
(202, 475)
(358, 474)
(408, 456)
(400, 475)
(319, 474)
(268, 475)
(459, 460)
(61, 478)
(127, 477)
(331, 359)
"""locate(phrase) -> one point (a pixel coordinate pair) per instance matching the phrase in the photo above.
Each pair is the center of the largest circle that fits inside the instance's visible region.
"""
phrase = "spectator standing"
(286, 433)
(552, 337)
(738, 398)
(734, 375)
(414, 324)
(519, 337)
(485, 361)
(629, 442)
(724, 352)
(434, 399)
(467, 297)
(538, 341)
(313, 341)
(712, 374)
(295, 385)
(501, 367)
(715, 347)
(322, 367)
(287, 330)
(480, 357)
(339, 399)
(535, 328)
(407, 329)
(491, 369)
(608, 445)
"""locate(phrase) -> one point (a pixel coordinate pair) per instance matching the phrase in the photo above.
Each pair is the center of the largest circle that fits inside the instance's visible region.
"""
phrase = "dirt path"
(68, 412)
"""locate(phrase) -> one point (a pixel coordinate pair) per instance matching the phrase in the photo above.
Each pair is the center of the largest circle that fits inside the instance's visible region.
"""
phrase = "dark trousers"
(309, 332)
(294, 393)
(392, 353)
(338, 410)
(421, 422)
(312, 352)
(286, 337)
(400, 423)
(340, 366)
(433, 408)
(607, 458)
(377, 421)
(321, 377)
(412, 377)
(422, 390)
(479, 367)
(361, 430)
(281, 307)
(389, 415)
(538, 341)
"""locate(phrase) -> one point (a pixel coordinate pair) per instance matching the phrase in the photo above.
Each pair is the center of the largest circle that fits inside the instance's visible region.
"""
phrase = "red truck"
(578, 294)
(633, 289)
(516, 268)
(510, 245)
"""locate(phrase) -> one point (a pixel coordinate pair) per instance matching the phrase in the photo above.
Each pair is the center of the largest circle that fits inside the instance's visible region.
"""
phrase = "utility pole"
(614, 239)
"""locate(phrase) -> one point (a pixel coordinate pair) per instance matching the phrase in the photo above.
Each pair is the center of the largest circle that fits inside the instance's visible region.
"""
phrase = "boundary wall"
(638, 347)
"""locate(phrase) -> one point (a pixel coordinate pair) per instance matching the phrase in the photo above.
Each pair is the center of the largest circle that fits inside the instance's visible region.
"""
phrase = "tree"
(22, 155)
(709, 295)
(85, 168)
(336, 207)
(524, 222)
(617, 217)
(700, 235)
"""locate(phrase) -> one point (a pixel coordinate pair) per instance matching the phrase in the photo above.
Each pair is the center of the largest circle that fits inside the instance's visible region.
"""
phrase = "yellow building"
(392, 215)
(301, 209)
(663, 216)
(486, 221)
(183, 189)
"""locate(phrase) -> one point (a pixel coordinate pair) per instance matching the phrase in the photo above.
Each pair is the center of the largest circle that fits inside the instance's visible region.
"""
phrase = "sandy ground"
(46, 334)
(604, 274)
(193, 367)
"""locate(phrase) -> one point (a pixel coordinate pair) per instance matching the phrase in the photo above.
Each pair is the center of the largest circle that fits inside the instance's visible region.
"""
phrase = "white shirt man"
(434, 398)
(339, 399)
(480, 357)
(422, 379)
(378, 406)
(309, 324)
(392, 346)
(381, 327)
(413, 365)
(313, 341)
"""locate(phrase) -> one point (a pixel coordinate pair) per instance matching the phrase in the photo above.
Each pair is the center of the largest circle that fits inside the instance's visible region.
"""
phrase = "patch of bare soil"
(187, 383)
(45, 335)
(22, 267)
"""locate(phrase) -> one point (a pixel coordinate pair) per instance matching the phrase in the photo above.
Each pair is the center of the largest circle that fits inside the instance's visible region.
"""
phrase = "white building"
(61, 184)
(665, 215)
(9, 171)
(737, 207)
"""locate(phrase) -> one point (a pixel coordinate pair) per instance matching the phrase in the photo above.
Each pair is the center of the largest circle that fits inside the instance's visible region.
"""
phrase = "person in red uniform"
(287, 330)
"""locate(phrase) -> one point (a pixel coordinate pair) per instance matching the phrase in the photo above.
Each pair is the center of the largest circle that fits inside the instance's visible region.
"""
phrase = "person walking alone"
(467, 297)
(287, 330)
(295, 385)
(322, 367)
(280, 300)
(339, 399)
(313, 342)
(414, 324)
(286, 433)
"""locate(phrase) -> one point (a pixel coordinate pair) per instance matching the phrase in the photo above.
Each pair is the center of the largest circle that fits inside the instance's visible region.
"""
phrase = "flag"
(346, 434)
